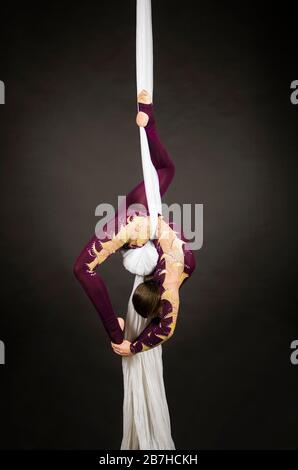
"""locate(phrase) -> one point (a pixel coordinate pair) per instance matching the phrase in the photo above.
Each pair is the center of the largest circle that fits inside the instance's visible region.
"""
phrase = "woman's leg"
(160, 157)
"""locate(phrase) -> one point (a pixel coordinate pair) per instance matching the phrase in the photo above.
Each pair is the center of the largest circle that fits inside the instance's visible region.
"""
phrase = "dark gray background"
(69, 141)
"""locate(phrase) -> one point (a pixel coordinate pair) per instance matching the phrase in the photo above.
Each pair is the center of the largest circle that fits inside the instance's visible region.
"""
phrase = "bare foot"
(144, 97)
(142, 119)
(121, 322)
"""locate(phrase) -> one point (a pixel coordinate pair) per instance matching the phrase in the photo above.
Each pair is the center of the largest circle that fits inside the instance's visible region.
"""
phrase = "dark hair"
(146, 297)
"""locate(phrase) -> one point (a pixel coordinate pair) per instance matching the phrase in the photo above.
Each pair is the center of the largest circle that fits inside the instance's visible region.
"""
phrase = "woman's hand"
(122, 349)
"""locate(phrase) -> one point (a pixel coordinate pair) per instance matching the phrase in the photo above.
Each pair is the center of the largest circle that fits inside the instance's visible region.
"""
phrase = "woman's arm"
(172, 271)
(162, 327)
(96, 252)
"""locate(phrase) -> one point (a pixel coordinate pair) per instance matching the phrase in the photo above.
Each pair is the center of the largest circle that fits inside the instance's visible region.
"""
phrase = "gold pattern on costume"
(136, 232)
(173, 255)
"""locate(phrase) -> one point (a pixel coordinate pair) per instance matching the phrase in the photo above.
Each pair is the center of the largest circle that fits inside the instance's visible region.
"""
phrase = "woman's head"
(146, 297)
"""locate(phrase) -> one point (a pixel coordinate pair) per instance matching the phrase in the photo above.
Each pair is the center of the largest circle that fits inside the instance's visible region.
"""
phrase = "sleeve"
(94, 253)
(162, 327)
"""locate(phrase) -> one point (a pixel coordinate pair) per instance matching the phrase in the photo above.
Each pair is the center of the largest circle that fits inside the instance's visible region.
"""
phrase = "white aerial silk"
(146, 420)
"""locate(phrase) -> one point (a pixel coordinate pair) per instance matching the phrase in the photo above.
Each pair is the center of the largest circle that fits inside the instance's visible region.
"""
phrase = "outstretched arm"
(171, 275)
(96, 252)
(162, 327)
(179, 266)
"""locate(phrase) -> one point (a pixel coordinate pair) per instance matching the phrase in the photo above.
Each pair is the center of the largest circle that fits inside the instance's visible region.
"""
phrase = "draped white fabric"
(146, 420)
(144, 68)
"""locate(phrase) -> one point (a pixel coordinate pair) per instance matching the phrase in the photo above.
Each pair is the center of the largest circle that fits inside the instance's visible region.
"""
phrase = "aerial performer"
(157, 253)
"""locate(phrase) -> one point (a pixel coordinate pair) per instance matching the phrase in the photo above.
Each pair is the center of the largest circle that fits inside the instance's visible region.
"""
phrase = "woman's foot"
(142, 119)
(121, 322)
(144, 97)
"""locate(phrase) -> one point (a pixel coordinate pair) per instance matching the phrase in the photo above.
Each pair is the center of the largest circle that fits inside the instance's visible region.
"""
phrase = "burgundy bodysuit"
(175, 264)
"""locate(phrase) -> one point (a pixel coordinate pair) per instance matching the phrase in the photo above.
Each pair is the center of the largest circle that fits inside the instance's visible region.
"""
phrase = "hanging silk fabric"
(146, 420)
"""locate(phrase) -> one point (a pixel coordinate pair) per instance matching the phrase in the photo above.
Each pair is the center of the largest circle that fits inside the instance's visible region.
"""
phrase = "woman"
(158, 296)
